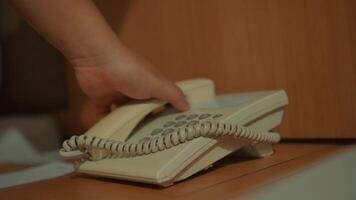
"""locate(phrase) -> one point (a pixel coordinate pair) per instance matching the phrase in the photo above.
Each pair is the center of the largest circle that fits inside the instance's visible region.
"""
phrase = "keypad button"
(217, 116)
(192, 116)
(204, 116)
(168, 124)
(180, 117)
(180, 123)
(144, 139)
(192, 123)
(167, 131)
(156, 131)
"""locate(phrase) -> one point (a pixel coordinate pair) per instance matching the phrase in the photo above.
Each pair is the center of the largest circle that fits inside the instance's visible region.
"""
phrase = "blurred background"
(307, 47)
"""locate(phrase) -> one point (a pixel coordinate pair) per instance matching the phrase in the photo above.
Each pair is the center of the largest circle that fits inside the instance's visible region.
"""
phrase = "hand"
(113, 79)
(106, 70)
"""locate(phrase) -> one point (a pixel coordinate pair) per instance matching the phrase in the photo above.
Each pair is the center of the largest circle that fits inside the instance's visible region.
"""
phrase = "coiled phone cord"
(179, 136)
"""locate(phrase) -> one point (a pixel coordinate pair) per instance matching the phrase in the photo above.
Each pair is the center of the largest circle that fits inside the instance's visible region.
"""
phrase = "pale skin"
(107, 71)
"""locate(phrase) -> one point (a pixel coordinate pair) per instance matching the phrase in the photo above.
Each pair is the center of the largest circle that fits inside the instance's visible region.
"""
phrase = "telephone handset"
(148, 141)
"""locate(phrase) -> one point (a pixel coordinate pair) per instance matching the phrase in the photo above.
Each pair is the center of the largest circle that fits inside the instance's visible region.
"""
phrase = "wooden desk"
(230, 177)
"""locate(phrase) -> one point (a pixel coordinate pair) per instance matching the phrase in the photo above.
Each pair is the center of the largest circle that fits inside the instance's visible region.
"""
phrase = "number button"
(217, 116)
(192, 116)
(180, 117)
(192, 123)
(168, 124)
(204, 116)
(156, 131)
(180, 123)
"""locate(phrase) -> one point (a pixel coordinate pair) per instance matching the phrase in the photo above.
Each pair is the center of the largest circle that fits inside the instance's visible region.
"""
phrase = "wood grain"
(307, 47)
(229, 178)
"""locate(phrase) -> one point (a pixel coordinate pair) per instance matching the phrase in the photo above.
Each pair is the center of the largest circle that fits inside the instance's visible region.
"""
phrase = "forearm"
(75, 27)
(105, 69)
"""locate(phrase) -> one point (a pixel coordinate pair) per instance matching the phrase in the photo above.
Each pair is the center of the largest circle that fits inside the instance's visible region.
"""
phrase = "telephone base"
(255, 113)
(256, 150)
(225, 146)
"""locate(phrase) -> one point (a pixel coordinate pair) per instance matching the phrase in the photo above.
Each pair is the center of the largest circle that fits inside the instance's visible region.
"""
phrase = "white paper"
(43, 172)
(15, 148)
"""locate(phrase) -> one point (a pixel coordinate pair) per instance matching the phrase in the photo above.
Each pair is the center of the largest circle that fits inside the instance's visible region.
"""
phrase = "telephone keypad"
(192, 116)
(204, 116)
(180, 123)
(156, 131)
(217, 115)
(180, 117)
(192, 123)
(169, 123)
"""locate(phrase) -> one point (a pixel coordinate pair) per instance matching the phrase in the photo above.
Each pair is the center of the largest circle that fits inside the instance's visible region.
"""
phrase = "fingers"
(91, 114)
(169, 92)
(95, 109)
(141, 81)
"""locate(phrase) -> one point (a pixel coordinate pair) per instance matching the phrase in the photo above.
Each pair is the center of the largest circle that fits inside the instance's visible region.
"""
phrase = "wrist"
(97, 55)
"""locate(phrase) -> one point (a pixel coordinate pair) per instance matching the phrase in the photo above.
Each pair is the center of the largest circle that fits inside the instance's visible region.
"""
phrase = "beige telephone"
(148, 141)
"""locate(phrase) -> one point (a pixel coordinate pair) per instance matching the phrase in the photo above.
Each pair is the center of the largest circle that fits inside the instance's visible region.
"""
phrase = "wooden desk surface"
(230, 177)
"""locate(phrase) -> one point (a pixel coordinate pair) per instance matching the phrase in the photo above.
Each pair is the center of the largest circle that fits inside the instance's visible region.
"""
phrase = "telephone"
(151, 142)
